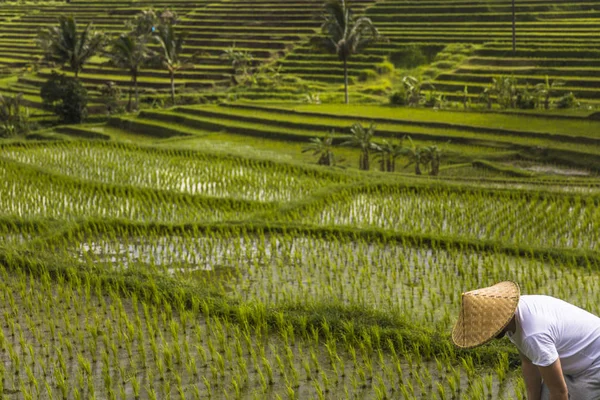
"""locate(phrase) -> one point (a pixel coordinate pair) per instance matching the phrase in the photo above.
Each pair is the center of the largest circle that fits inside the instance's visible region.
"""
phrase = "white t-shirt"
(548, 328)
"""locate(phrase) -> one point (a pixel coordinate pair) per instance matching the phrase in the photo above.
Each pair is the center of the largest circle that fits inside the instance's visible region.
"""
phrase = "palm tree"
(322, 148)
(396, 150)
(62, 44)
(362, 138)
(417, 155)
(383, 151)
(388, 153)
(544, 90)
(171, 47)
(434, 155)
(130, 52)
(346, 35)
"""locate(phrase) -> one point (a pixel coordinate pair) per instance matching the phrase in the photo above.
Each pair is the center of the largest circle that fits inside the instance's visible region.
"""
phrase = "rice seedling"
(123, 282)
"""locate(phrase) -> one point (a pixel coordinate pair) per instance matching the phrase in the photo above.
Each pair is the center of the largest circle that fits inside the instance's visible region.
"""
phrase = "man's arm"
(532, 378)
(554, 379)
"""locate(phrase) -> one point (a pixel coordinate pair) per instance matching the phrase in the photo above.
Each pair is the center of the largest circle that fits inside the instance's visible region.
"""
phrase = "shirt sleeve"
(540, 349)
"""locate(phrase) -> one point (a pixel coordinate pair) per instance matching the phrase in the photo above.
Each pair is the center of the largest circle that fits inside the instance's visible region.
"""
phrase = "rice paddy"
(277, 280)
(200, 251)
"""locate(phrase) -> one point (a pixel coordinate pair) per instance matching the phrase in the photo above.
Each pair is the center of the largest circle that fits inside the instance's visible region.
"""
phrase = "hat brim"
(485, 313)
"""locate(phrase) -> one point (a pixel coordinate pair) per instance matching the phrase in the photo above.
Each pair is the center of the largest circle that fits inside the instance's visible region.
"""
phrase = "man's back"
(550, 328)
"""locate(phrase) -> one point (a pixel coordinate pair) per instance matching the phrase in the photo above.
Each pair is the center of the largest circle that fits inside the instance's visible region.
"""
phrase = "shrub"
(367, 75)
(525, 100)
(66, 97)
(443, 64)
(410, 57)
(384, 68)
(399, 97)
(434, 99)
(14, 118)
(110, 95)
(382, 88)
(567, 101)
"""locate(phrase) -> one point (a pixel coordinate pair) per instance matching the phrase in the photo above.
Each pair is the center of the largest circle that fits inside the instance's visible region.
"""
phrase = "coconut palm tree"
(169, 55)
(131, 53)
(362, 138)
(345, 34)
(63, 45)
(322, 148)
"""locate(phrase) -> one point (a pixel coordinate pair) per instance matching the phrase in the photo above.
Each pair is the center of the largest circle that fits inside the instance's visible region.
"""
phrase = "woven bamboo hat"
(485, 313)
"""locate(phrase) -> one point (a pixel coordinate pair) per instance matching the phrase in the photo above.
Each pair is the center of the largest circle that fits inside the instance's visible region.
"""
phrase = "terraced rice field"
(464, 44)
(556, 39)
(198, 252)
(235, 272)
(267, 35)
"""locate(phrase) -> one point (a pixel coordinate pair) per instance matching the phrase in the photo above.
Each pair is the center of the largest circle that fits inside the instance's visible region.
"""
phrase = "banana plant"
(322, 147)
(544, 90)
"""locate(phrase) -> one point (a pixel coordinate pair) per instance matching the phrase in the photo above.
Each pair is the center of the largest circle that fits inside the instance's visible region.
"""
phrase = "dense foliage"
(66, 97)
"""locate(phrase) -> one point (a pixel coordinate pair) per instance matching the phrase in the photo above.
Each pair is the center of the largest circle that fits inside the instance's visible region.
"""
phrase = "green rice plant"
(208, 387)
(135, 387)
(268, 369)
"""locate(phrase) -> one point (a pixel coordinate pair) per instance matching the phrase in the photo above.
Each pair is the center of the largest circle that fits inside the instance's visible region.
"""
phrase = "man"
(559, 343)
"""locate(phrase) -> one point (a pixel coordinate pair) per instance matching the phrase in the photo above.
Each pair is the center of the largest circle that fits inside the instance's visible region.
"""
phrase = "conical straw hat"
(485, 313)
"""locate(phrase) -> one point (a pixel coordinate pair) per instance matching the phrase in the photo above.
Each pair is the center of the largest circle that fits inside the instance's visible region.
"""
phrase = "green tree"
(66, 97)
(504, 88)
(387, 153)
(14, 117)
(241, 62)
(63, 45)
(147, 21)
(345, 34)
(543, 91)
(110, 94)
(433, 155)
(362, 138)
(417, 155)
(131, 53)
(414, 90)
(322, 148)
(170, 53)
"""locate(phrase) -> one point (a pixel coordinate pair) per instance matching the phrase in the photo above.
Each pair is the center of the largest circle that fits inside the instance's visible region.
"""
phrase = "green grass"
(486, 120)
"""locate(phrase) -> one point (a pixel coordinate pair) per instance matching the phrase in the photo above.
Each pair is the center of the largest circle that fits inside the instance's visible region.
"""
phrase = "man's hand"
(554, 379)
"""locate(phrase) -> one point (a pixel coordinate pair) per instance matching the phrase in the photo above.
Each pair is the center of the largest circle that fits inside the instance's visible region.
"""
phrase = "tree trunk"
(129, 108)
(137, 95)
(435, 168)
(366, 162)
(514, 28)
(417, 168)
(346, 80)
(173, 87)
